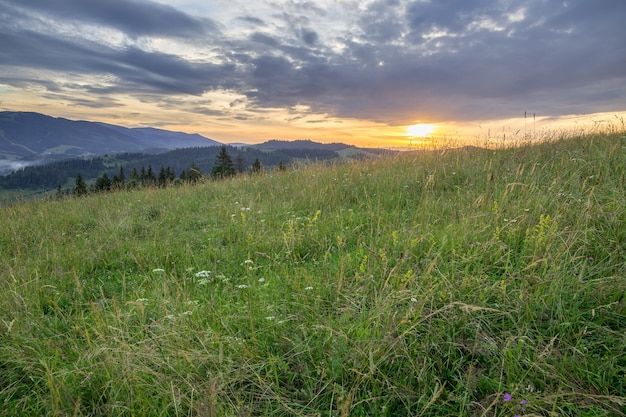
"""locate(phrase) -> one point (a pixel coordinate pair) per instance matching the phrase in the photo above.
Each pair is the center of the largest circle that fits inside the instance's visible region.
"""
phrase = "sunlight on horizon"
(420, 130)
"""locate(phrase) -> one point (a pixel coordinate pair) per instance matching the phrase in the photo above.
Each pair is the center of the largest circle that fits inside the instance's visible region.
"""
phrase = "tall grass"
(461, 282)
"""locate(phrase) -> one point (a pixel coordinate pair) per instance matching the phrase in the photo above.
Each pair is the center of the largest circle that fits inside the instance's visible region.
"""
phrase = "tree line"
(145, 177)
(63, 173)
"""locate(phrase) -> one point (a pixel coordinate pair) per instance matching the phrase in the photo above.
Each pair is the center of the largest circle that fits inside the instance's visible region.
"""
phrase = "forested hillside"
(63, 173)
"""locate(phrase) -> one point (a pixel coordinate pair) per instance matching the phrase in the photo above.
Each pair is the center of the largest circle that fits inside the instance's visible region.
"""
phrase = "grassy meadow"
(466, 282)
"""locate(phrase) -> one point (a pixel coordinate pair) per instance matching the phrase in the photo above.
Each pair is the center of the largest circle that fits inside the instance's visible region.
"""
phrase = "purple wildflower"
(507, 396)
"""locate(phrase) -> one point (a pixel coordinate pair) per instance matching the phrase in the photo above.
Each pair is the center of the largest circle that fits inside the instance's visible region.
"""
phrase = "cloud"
(444, 60)
(390, 61)
(132, 17)
(135, 69)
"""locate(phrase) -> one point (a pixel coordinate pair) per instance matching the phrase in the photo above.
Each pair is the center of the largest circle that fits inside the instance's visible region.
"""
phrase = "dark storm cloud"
(394, 61)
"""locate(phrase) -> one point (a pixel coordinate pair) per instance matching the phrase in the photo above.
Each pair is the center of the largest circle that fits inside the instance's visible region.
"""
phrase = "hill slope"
(469, 282)
(27, 138)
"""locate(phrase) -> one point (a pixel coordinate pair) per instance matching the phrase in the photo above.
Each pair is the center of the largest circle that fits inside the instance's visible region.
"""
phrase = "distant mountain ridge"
(302, 144)
(28, 138)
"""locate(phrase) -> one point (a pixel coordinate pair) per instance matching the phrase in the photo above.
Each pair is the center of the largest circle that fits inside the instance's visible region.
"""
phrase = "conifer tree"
(256, 167)
(169, 174)
(134, 178)
(80, 187)
(240, 162)
(103, 183)
(150, 177)
(119, 180)
(162, 178)
(223, 165)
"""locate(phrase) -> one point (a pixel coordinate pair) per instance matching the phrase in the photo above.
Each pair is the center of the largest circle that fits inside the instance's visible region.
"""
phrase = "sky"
(347, 71)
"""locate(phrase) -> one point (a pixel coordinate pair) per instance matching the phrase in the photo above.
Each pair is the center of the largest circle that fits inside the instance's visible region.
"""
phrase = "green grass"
(421, 285)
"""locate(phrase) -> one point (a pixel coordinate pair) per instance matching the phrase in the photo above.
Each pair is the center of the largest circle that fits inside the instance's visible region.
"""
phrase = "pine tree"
(150, 177)
(169, 174)
(162, 178)
(134, 178)
(256, 167)
(103, 183)
(223, 165)
(80, 188)
(240, 162)
(119, 180)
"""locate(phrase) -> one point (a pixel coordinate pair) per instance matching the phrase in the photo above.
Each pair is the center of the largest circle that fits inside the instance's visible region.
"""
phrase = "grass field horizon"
(474, 282)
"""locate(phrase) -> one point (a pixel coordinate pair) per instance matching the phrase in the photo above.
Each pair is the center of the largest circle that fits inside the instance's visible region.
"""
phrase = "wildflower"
(248, 261)
(242, 286)
(507, 396)
(203, 274)
(261, 279)
(413, 300)
(270, 318)
(158, 270)
(308, 288)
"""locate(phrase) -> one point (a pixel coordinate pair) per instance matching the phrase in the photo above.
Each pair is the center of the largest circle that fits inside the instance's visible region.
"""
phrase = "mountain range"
(28, 138)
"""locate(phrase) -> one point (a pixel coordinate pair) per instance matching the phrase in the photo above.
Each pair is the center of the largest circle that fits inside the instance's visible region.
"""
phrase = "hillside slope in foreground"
(468, 282)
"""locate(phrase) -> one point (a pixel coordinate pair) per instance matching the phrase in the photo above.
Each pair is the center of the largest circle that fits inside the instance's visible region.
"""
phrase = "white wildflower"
(203, 274)
(308, 288)
(158, 270)
(242, 286)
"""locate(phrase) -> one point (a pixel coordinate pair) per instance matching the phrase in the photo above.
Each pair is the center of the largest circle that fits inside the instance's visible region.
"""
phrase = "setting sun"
(420, 130)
